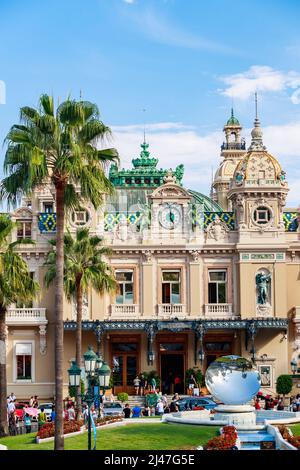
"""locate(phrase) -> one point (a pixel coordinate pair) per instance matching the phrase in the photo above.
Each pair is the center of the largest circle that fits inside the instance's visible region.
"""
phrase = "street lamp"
(201, 355)
(151, 357)
(104, 376)
(294, 365)
(74, 375)
(96, 370)
(90, 359)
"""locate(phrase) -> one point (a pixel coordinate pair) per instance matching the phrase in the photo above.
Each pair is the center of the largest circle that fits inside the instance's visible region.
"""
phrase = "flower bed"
(226, 441)
(106, 420)
(47, 430)
(289, 437)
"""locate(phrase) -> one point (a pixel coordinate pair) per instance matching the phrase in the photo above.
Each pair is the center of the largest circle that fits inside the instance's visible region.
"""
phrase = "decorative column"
(148, 288)
(43, 341)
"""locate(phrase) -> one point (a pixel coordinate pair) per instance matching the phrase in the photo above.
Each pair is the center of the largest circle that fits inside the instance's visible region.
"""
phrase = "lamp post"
(96, 370)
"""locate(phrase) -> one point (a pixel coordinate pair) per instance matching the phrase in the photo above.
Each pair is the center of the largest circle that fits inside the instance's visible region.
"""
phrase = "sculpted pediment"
(23, 213)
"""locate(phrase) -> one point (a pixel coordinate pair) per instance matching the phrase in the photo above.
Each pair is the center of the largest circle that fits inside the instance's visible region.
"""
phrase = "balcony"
(124, 311)
(171, 310)
(26, 316)
(218, 311)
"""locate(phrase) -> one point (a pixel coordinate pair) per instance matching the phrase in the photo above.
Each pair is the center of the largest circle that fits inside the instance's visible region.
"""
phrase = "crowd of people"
(162, 406)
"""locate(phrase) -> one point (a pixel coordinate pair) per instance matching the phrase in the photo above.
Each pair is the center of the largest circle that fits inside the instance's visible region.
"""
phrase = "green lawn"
(156, 436)
(295, 428)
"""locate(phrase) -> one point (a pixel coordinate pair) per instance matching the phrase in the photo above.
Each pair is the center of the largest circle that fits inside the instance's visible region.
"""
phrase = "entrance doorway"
(125, 351)
(215, 347)
(172, 373)
(172, 350)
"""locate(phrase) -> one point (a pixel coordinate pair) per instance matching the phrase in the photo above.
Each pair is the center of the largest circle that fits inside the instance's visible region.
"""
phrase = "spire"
(232, 121)
(256, 133)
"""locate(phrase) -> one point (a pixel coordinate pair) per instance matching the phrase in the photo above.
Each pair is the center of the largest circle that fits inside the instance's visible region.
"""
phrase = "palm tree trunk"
(59, 326)
(79, 301)
(3, 382)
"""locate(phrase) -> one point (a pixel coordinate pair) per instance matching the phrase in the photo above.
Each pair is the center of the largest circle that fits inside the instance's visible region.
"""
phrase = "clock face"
(169, 216)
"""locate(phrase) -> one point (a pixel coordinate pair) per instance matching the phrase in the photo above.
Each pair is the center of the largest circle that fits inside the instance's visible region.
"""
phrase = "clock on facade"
(169, 216)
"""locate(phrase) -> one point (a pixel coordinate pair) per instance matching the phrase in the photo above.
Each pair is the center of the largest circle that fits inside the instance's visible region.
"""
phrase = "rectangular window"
(217, 280)
(171, 287)
(48, 207)
(24, 361)
(23, 230)
(125, 291)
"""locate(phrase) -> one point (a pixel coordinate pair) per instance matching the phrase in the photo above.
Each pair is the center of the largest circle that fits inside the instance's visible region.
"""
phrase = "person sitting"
(280, 405)
(256, 404)
(146, 411)
(127, 411)
(136, 412)
(166, 409)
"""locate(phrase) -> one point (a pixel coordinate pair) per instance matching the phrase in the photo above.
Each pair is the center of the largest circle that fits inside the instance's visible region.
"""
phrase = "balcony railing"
(171, 310)
(26, 316)
(124, 310)
(218, 310)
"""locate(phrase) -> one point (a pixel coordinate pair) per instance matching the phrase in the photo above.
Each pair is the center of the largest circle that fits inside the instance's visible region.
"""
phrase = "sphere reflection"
(232, 379)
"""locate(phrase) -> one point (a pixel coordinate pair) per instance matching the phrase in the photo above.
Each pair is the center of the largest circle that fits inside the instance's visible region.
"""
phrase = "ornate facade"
(198, 277)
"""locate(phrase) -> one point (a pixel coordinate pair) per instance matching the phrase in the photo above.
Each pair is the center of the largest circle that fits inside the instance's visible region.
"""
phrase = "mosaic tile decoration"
(113, 218)
(291, 221)
(47, 222)
(227, 218)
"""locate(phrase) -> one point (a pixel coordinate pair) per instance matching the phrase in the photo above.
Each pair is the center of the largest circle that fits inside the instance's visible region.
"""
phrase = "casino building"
(198, 276)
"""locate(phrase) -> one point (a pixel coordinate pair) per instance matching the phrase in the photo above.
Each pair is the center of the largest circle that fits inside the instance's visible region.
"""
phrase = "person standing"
(192, 384)
(160, 408)
(153, 385)
(42, 418)
(27, 422)
(53, 414)
(136, 384)
(12, 397)
(142, 385)
(71, 413)
(31, 402)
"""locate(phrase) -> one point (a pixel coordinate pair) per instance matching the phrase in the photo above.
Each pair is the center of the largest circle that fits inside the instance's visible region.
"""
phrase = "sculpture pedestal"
(237, 415)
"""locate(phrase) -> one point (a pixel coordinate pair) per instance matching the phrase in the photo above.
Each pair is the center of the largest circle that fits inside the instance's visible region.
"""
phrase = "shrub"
(152, 374)
(122, 396)
(284, 384)
(293, 440)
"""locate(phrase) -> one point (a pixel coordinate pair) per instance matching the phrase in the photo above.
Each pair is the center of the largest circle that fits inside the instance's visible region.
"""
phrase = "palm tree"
(16, 284)
(84, 269)
(58, 147)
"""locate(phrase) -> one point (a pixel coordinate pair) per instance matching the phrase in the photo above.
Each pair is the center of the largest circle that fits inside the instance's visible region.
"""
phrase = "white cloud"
(152, 24)
(175, 143)
(264, 79)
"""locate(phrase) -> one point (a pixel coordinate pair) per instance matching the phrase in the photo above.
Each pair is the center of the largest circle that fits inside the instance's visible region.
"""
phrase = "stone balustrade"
(124, 311)
(26, 316)
(218, 310)
(171, 310)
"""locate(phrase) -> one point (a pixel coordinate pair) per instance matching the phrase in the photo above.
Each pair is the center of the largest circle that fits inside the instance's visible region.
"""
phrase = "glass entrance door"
(127, 357)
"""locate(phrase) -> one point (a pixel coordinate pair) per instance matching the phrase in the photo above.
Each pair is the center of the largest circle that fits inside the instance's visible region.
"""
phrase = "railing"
(124, 310)
(171, 310)
(218, 310)
(26, 316)
(233, 146)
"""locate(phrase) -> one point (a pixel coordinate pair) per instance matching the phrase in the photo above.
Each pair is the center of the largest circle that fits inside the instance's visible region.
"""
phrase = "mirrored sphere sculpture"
(232, 379)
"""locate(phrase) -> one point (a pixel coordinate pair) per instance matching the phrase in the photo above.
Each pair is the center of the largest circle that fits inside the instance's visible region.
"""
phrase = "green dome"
(232, 121)
(208, 204)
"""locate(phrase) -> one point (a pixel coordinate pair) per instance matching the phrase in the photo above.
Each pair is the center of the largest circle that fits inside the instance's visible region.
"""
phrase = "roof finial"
(256, 134)
(144, 110)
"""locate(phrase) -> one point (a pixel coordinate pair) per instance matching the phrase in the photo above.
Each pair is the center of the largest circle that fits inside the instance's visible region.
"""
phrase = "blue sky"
(184, 61)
